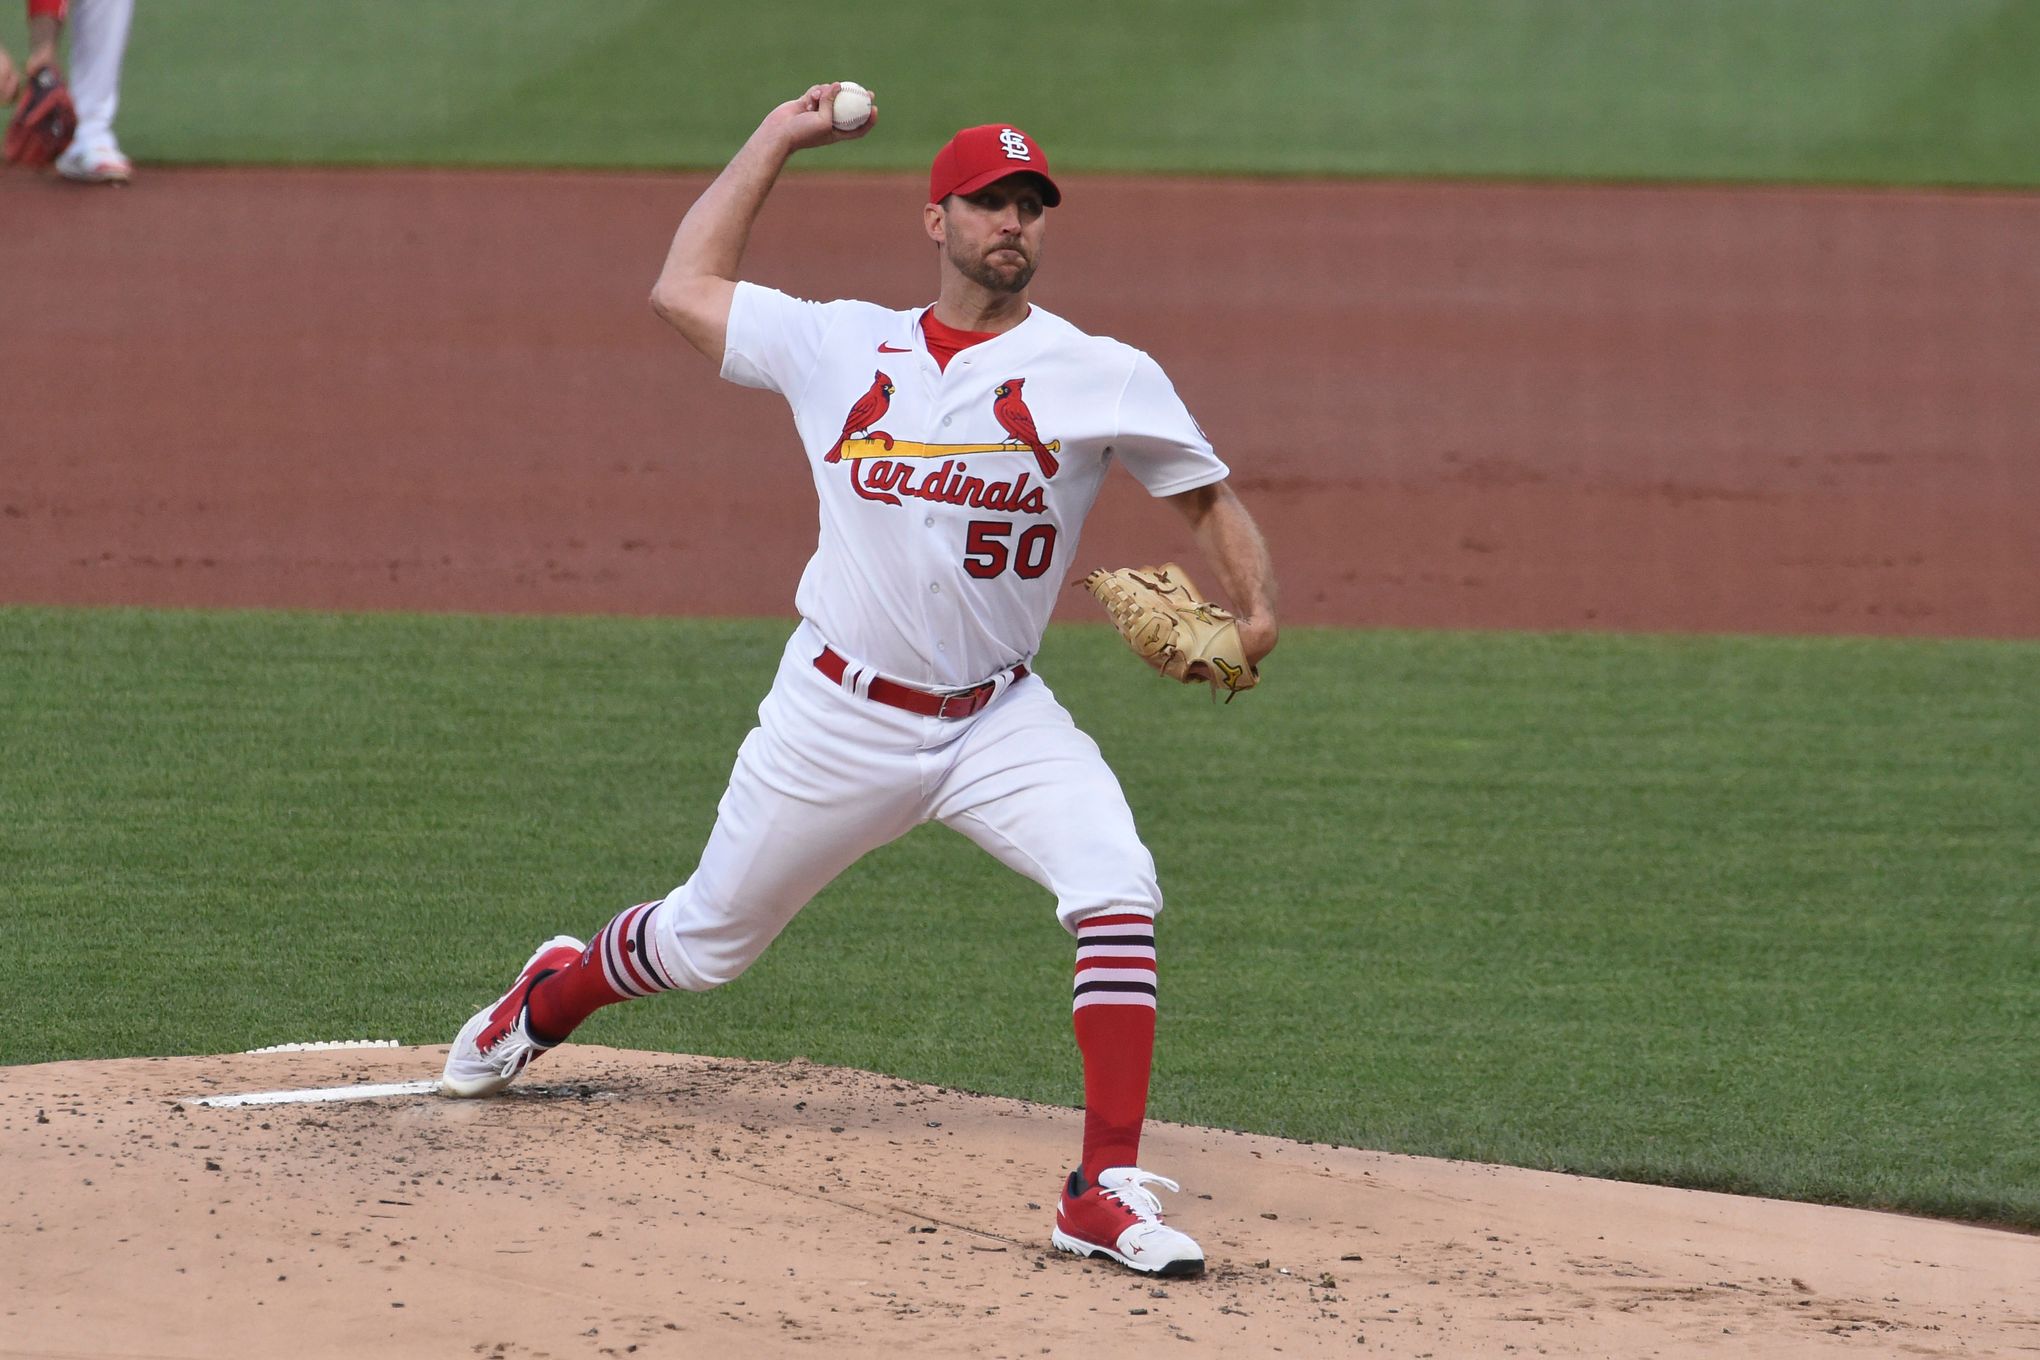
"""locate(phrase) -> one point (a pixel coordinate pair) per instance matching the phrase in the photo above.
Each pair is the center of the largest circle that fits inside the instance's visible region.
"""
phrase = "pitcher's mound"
(657, 1205)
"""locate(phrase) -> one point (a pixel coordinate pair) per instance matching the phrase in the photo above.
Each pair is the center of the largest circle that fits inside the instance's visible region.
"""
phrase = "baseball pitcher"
(955, 450)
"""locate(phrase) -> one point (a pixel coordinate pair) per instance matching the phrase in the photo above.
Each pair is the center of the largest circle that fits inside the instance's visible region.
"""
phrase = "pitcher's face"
(993, 235)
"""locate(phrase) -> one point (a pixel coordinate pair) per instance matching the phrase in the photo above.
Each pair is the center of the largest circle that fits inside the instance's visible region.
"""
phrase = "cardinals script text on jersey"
(951, 499)
(881, 466)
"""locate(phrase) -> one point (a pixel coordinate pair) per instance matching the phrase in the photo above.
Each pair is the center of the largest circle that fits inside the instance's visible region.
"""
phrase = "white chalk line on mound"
(316, 1095)
(321, 1094)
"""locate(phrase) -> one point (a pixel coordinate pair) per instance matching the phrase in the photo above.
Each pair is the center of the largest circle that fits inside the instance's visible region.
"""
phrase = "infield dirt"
(649, 1204)
(1450, 406)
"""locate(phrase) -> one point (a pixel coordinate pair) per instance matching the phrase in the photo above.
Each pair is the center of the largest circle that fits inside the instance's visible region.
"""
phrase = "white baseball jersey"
(952, 500)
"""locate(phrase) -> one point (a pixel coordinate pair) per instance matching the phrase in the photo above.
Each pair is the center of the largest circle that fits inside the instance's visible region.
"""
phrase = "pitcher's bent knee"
(704, 948)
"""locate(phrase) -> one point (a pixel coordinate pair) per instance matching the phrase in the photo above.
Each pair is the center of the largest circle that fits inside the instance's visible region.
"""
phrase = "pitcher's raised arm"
(694, 289)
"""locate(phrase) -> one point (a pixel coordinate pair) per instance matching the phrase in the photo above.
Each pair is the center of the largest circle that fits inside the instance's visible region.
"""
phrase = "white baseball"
(853, 106)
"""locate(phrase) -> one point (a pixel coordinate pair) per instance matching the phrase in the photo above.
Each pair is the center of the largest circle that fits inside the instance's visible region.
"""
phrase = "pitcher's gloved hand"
(1173, 628)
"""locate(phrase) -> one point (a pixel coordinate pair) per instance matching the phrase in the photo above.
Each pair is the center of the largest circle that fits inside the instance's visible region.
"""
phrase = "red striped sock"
(1114, 1010)
(618, 964)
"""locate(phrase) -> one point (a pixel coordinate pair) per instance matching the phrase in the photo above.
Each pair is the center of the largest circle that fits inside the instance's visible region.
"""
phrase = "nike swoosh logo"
(892, 349)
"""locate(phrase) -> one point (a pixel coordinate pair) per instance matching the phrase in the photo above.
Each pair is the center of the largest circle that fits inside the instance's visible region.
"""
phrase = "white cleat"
(101, 164)
(496, 1044)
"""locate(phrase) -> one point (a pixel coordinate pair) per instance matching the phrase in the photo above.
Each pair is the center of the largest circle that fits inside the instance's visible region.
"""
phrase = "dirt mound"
(650, 1204)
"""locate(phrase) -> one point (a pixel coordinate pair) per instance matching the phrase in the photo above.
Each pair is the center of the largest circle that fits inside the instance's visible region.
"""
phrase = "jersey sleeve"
(774, 340)
(1158, 440)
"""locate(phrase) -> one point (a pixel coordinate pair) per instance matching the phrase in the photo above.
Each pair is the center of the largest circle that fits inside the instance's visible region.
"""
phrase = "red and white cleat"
(496, 1044)
(1120, 1219)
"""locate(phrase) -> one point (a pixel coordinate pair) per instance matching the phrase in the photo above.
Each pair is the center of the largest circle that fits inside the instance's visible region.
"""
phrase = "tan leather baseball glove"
(1173, 628)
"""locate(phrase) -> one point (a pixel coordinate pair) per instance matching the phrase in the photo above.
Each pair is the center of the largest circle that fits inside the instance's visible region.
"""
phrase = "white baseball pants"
(828, 776)
(99, 35)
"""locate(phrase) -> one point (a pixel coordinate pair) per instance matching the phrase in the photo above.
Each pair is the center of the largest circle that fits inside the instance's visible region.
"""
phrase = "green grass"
(1900, 91)
(1756, 915)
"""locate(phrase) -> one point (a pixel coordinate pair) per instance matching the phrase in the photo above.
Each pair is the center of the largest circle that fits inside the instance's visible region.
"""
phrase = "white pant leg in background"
(1032, 789)
(99, 35)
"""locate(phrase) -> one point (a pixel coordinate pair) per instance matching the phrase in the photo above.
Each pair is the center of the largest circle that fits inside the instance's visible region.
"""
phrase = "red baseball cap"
(977, 156)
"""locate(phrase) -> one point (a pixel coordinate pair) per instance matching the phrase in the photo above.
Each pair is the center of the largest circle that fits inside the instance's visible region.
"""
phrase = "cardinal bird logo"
(1019, 422)
(866, 412)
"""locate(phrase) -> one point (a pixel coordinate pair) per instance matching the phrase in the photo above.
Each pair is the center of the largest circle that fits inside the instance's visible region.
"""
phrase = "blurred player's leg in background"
(45, 34)
(99, 35)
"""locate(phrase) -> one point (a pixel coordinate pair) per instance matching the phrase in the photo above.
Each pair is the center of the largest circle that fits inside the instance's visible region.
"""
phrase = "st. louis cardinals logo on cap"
(882, 468)
(977, 156)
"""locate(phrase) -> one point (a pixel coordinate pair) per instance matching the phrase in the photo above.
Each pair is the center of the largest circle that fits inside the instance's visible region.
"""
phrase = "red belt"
(956, 703)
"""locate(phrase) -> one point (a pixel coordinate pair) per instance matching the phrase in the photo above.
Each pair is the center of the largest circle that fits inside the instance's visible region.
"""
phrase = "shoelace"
(1134, 1195)
(516, 1034)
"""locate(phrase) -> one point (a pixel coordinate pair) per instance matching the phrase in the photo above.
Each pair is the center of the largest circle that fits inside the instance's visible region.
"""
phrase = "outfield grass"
(1749, 915)
(1900, 91)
